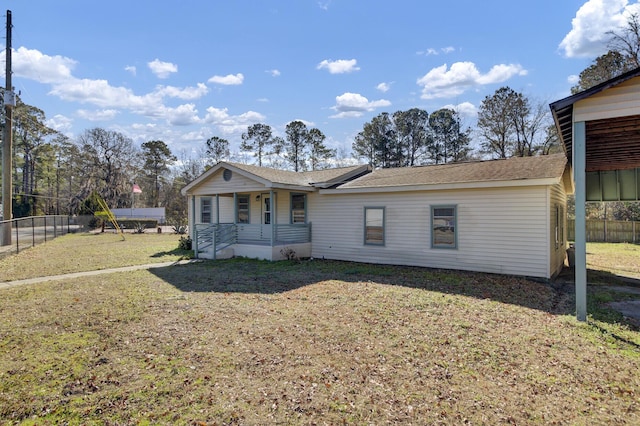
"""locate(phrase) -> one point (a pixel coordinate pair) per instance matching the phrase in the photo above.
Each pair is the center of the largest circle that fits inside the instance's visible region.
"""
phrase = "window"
(266, 210)
(443, 227)
(242, 209)
(226, 175)
(559, 228)
(205, 210)
(298, 208)
(374, 225)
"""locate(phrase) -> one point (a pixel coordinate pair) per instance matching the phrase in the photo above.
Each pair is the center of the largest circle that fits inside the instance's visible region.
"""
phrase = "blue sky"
(184, 71)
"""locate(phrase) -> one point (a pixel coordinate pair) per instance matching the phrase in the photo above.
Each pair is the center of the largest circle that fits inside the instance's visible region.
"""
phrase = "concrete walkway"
(7, 284)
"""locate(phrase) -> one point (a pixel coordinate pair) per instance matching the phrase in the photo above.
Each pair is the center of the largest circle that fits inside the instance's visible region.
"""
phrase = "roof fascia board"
(217, 167)
(446, 186)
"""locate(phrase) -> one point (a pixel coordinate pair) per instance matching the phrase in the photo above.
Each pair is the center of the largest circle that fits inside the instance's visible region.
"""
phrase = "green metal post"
(579, 177)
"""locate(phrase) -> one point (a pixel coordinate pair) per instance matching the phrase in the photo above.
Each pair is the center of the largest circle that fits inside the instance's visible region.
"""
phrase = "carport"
(599, 130)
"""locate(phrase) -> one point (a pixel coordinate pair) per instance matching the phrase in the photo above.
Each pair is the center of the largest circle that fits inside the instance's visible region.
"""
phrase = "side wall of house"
(557, 228)
(501, 230)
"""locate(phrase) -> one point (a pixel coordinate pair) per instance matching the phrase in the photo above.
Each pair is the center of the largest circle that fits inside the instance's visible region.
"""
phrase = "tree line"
(54, 175)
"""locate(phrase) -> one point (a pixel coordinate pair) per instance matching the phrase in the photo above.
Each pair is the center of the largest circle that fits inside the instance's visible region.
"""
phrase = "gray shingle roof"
(517, 168)
(287, 177)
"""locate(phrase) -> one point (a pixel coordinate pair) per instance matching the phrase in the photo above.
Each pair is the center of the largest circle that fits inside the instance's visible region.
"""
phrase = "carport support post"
(579, 178)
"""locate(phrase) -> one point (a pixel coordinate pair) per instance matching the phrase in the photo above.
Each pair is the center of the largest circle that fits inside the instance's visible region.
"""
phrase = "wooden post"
(7, 142)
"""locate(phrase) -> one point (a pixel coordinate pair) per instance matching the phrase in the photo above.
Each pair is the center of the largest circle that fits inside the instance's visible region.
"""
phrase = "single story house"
(500, 216)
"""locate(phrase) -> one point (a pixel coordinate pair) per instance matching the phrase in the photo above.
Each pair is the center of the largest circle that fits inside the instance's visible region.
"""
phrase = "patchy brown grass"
(249, 342)
(618, 259)
(88, 252)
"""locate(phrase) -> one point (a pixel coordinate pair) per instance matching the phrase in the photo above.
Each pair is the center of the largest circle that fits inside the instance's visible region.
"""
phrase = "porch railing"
(208, 236)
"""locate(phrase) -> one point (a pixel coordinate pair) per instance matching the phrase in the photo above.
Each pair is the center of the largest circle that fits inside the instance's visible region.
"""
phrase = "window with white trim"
(374, 225)
(205, 210)
(298, 208)
(443, 227)
(242, 208)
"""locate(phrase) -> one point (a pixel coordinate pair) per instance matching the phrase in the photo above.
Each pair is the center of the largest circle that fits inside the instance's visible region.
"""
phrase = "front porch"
(225, 240)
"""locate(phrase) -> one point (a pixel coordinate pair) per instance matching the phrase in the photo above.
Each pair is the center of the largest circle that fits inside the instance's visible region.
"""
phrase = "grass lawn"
(87, 252)
(604, 259)
(316, 342)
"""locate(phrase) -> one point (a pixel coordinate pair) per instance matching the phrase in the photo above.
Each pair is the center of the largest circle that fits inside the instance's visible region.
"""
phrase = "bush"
(289, 254)
(185, 243)
(136, 224)
(180, 229)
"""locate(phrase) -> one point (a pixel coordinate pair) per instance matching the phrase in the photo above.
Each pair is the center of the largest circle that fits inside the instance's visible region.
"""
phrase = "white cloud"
(97, 92)
(433, 51)
(588, 36)
(132, 69)
(60, 123)
(98, 115)
(186, 93)
(573, 79)
(274, 72)
(34, 65)
(443, 82)
(465, 109)
(183, 115)
(355, 105)
(384, 87)
(230, 124)
(162, 69)
(341, 66)
(227, 80)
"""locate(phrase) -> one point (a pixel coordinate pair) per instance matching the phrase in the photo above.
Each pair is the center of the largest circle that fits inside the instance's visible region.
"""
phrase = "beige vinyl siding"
(498, 230)
(217, 184)
(557, 198)
(618, 101)
(227, 208)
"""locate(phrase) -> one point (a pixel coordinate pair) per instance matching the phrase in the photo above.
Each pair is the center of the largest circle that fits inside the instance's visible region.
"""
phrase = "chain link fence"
(28, 231)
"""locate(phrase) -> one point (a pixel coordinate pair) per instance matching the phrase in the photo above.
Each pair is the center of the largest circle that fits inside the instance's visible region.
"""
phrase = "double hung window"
(242, 208)
(298, 208)
(443, 227)
(374, 225)
(205, 210)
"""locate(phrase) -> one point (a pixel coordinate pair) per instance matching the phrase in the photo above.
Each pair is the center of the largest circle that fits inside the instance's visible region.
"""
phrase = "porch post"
(235, 208)
(274, 216)
(192, 229)
(217, 209)
(579, 177)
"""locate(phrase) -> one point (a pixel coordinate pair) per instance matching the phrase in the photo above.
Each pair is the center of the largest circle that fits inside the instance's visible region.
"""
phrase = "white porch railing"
(219, 236)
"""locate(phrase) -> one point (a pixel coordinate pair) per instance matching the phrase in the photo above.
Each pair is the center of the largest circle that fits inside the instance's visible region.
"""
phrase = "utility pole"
(7, 167)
